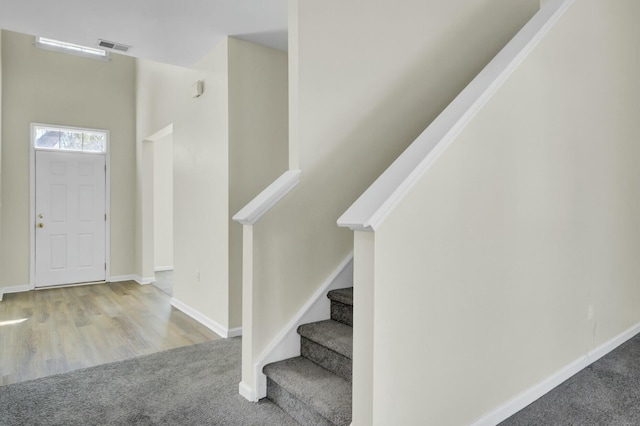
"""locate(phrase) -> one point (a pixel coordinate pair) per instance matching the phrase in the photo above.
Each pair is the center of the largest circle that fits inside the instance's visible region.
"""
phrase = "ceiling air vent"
(114, 46)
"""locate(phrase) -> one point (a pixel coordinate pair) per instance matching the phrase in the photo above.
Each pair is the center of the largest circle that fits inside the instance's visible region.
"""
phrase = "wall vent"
(114, 46)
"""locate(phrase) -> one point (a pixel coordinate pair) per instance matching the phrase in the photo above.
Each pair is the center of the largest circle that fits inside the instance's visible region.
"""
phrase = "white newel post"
(253, 387)
(363, 326)
(247, 386)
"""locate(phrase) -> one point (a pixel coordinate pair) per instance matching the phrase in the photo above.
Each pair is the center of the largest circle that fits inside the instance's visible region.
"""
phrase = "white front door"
(70, 208)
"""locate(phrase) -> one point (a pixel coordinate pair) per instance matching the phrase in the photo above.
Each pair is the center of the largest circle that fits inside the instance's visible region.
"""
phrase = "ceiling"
(178, 32)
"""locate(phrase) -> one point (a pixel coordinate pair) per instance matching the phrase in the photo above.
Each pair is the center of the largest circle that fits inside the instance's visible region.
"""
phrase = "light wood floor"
(53, 331)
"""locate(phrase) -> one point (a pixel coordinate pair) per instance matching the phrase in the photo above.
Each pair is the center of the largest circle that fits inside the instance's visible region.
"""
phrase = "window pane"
(94, 142)
(70, 139)
(47, 138)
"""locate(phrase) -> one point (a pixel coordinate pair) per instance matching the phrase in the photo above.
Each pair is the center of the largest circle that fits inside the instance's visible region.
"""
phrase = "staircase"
(315, 388)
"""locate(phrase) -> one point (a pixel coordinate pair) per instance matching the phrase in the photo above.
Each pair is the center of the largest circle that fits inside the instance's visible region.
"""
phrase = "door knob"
(41, 225)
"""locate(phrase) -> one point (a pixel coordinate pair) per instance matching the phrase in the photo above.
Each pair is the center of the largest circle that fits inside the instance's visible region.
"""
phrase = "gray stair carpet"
(342, 295)
(334, 335)
(315, 388)
(328, 344)
(342, 305)
(303, 389)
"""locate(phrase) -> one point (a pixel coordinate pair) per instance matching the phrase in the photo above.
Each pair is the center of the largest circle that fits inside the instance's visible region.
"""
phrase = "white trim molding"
(211, 324)
(133, 277)
(144, 280)
(234, 332)
(163, 268)
(14, 289)
(162, 133)
(378, 201)
(246, 392)
(516, 404)
(287, 343)
(121, 278)
(268, 198)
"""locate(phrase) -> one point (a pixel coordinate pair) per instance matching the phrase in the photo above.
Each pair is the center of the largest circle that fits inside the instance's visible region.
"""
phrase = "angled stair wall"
(501, 266)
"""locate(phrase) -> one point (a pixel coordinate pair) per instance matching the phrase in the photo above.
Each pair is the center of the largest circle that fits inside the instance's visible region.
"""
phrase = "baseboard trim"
(133, 277)
(121, 278)
(51, 287)
(234, 332)
(14, 289)
(287, 343)
(211, 324)
(163, 268)
(144, 281)
(527, 397)
(246, 391)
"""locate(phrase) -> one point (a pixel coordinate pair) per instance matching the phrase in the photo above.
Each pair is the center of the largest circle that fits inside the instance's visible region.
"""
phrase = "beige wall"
(258, 140)
(486, 271)
(56, 88)
(163, 202)
(200, 153)
(364, 92)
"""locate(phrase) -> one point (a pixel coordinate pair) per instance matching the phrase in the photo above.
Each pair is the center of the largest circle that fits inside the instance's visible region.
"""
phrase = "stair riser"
(297, 409)
(342, 313)
(326, 358)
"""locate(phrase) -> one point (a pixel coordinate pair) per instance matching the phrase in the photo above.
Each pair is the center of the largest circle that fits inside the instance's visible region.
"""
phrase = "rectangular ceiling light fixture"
(75, 49)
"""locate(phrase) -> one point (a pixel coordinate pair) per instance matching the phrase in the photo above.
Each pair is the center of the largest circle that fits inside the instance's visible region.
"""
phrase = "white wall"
(228, 145)
(362, 92)
(200, 153)
(486, 272)
(56, 88)
(163, 203)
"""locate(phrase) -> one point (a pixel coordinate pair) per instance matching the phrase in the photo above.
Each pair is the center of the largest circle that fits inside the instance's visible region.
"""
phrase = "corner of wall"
(220, 329)
(200, 161)
(294, 84)
(258, 140)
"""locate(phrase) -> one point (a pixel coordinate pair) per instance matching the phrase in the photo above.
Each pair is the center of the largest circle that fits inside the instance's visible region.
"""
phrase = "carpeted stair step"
(342, 305)
(309, 393)
(329, 344)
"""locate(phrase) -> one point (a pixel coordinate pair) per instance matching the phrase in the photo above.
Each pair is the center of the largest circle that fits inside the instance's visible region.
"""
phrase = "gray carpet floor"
(605, 393)
(193, 385)
(198, 385)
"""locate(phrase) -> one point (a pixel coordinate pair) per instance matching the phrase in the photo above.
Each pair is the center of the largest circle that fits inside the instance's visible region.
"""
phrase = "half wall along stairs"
(315, 388)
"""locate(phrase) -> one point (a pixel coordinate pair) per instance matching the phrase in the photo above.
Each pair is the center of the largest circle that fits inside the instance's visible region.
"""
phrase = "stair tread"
(342, 295)
(331, 334)
(325, 392)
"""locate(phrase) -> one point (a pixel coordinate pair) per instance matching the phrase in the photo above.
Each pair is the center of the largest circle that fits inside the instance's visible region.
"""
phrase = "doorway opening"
(159, 165)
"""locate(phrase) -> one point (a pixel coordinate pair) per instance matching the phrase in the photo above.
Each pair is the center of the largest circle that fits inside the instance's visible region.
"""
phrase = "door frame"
(147, 193)
(32, 200)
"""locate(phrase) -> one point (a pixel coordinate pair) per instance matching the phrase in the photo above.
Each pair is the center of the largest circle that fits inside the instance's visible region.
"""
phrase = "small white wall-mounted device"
(197, 89)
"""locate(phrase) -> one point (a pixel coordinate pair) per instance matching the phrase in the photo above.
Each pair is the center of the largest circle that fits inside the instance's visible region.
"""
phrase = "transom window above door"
(69, 139)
